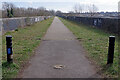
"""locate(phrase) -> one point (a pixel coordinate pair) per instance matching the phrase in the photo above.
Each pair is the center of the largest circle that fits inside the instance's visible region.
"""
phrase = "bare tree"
(119, 6)
(58, 13)
(92, 9)
(25, 12)
(71, 12)
(52, 12)
(78, 8)
(0, 13)
(75, 8)
(6, 5)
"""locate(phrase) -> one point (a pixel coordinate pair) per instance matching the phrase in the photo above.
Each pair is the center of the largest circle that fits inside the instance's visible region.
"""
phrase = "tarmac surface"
(60, 55)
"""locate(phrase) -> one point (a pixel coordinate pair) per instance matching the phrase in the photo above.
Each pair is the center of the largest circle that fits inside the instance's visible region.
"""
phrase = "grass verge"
(25, 40)
(95, 42)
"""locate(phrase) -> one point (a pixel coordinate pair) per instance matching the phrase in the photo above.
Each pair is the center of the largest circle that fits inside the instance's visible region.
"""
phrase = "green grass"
(25, 40)
(95, 42)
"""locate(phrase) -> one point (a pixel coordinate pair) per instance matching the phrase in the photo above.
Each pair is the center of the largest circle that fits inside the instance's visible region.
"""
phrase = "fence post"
(111, 49)
(9, 48)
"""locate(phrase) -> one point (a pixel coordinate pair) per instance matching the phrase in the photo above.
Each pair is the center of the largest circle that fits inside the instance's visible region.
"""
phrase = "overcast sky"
(66, 5)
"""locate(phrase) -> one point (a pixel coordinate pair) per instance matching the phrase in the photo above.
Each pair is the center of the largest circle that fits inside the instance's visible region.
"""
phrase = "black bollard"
(9, 49)
(111, 49)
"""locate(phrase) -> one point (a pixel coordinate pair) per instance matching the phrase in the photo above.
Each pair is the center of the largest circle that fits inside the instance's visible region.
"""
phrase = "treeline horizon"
(8, 8)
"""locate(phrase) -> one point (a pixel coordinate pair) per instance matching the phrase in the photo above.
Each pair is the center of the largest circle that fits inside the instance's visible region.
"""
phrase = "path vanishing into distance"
(59, 55)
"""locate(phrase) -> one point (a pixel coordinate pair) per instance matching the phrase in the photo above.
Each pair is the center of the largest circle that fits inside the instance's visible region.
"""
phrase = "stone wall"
(9, 24)
(107, 24)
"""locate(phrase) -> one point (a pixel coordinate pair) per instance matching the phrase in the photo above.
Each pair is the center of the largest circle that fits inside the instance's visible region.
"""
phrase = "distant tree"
(52, 12)
(75, 8)
(42, 11)
(92, 9)
(58, 13)
(78, 8)
(71, 12)
(8, 7)
(12, 11)
(119, 6)
(5, 6)
(8, 13)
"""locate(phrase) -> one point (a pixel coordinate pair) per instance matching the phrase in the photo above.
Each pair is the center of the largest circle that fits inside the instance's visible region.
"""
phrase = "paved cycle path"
(59, 47)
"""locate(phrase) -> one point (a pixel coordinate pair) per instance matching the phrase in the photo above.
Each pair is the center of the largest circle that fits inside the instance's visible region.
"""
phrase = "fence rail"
(107, 24)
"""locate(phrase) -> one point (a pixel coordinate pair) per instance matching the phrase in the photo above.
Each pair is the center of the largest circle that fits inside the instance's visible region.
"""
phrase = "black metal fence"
(107, 24)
